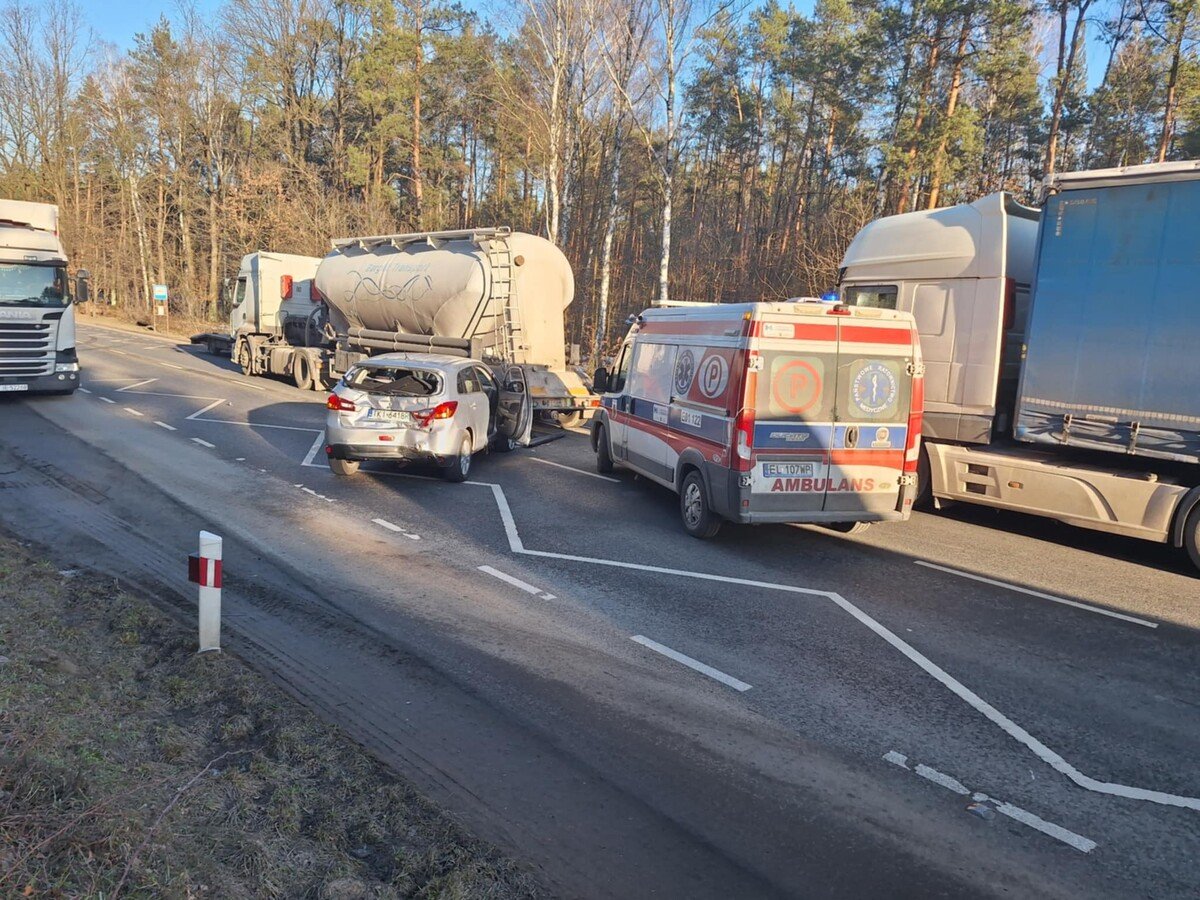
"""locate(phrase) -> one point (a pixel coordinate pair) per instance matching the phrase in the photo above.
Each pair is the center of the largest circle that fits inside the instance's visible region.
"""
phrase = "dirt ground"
(132, 767)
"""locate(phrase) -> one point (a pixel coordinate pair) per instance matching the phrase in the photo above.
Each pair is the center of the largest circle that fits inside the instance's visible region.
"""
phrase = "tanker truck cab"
(37, 317)
(768, 412)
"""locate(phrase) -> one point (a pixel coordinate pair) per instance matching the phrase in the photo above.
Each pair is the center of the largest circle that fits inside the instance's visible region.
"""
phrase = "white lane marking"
(106, 400)
(309, 490)
(384, 523)
(203, 443)
(84, 390)
(715, 674)
(946, 781)
(212, 405)
(1032, 593)
(1007, 725)
(165, 425)
(254, 424)
(136, 384)
(1078, 841)
(131, 411)
(548, 462)
(517, 583)
(314, 450)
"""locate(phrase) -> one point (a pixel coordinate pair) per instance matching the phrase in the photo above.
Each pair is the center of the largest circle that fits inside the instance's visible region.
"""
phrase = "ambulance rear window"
(796, 387)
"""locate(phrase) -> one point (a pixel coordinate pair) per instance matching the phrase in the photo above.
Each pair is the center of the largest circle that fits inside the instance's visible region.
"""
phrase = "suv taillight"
(445, 410)
(336, 402)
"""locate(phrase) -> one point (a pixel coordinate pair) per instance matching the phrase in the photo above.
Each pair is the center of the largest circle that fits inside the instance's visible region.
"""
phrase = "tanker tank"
(490, 293)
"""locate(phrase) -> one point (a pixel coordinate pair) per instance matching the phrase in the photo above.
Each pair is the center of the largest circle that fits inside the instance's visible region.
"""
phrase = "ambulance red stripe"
(868, 334)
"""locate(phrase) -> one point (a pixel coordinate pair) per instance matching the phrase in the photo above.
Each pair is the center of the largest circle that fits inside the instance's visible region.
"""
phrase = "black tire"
(1191, 536)
(570, 419)
(345, 467)
(244, 358)
(302, 371)
(698, 519)
(459, 467)
(848, 527)
(503, 444)
(604, 460)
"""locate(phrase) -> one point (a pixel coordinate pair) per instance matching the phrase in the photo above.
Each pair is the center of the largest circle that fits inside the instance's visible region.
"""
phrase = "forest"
(676, 149)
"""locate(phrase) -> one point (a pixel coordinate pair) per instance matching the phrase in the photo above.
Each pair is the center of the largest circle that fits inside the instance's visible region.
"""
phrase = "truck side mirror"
(82, 286)
(600, 381)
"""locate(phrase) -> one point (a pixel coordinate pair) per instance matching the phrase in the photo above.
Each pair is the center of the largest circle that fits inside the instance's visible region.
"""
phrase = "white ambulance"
(768, 412)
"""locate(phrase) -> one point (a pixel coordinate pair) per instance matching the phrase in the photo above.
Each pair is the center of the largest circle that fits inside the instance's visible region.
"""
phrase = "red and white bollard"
(204, 569)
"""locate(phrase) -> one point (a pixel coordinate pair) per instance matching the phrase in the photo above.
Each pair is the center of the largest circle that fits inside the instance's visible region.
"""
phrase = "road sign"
(160, 293)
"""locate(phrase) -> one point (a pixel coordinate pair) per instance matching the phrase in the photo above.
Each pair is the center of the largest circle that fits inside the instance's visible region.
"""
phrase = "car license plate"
(788, 470)
(14, 387)
(397, 416)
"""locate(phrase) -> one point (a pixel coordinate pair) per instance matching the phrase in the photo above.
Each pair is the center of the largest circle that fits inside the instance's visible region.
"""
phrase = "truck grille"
(26, 348)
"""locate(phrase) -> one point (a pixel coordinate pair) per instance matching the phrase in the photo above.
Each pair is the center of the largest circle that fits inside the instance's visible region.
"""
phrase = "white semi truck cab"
(37, 316)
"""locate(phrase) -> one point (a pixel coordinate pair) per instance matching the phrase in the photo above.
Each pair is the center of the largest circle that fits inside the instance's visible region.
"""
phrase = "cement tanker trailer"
(488, 293)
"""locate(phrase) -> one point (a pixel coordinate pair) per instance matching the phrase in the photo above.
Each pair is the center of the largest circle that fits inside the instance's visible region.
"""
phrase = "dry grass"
(131, 767)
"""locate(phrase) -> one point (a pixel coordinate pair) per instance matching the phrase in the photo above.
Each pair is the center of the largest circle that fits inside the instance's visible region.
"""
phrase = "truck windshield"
(407, 382)
(33, 285)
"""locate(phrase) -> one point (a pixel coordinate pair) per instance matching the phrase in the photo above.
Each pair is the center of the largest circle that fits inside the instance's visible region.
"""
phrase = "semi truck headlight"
(66, 361)
(66, 367)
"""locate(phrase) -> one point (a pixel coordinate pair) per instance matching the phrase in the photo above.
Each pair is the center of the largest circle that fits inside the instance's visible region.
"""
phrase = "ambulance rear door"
(870, 428)
(794, 402)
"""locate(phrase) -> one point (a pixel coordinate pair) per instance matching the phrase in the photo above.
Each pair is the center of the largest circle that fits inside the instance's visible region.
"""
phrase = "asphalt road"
(781, 711)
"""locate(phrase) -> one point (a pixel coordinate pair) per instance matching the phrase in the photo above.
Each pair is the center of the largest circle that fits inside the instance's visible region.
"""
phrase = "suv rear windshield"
(401, 380)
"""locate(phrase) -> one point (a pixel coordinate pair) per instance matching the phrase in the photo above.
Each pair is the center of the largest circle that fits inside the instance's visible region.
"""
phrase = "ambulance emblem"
(685, 371)
(874, 389)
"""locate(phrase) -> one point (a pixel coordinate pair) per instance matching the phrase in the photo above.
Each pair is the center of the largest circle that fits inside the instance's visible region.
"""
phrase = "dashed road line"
(558, 465)
(1016, 813)
(84, 390)
(1032, 593)
(106, 400)
(702, 668)
(165, 425)
(517, 583)
(384, 523)
(131, 411)
(212, 405)
(204, 443)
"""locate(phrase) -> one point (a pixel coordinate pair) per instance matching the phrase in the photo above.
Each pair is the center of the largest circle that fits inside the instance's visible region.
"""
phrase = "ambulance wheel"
(698, 520)
(302, 371)
(343, 466)
(848, 527)
(1191, 536)
(604, 462)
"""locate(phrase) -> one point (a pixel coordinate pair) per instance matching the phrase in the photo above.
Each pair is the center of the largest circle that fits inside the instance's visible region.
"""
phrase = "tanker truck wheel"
(244, 357)
(570, 419)
(302, 370)
(1191, 536)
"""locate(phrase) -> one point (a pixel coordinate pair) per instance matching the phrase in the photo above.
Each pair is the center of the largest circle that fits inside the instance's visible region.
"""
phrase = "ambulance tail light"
(743, 440)
(912, 443)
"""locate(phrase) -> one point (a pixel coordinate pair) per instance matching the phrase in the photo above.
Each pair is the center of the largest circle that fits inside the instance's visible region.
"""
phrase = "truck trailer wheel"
(848, 527)
(1191, 536)
(343, 466)
(698, 519)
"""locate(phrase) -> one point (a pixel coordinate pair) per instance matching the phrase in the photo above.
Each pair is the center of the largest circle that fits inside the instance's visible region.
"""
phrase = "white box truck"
(1061, 370)
(37, 314)
(490, 294)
